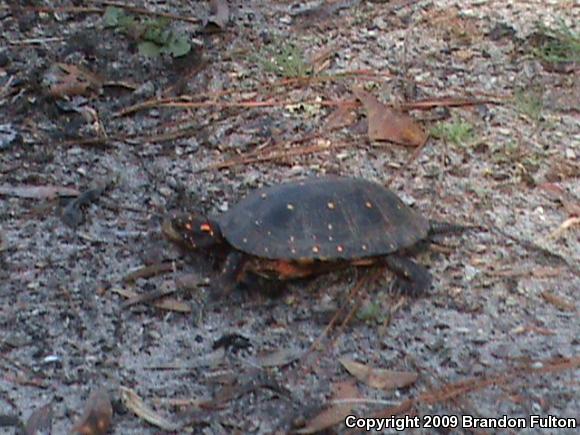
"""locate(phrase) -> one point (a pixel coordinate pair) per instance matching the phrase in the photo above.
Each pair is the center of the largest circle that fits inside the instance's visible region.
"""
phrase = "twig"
(149, 271)
(311, 149)
(537, 248)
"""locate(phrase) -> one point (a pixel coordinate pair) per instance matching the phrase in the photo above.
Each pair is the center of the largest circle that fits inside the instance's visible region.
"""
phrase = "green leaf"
(149, 49)
(113, 16)
(177, 47)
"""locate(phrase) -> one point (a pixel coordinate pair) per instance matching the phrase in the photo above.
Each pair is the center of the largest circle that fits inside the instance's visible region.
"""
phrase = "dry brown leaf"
(133, 402)
(320, 60)
(280, 357)
(37, 192)
(558, 302)
(65, 80)
(386, 124)
(169, 304)
(546, 271)
(148, 272)
(219, 14)
(341, 117)
(563, 99)
(39, 422)
(379, 378)
(97, 416)
(522, 329)
(336, 413)
(564, 226)
(571, 206)
(562, 169)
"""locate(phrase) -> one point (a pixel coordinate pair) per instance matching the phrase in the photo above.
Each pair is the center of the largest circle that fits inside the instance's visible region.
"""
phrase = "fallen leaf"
(219, 15)
(568, 201)
(37, 192)
(379, 378)
(562, 169)
(336, 413)
(558, 302)
(546, 271)
(386, 124)
(532, 329)
(169, 304)
(97, 416)
(320, 60)
(341, 117)
(133, 402)
(553, 189)
(563, 99)
(564, 226)
(148, 272)
(39, 422)
(280, 357)
(65, 80)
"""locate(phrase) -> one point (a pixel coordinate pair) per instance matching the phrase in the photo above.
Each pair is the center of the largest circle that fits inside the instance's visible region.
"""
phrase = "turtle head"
(192, 231)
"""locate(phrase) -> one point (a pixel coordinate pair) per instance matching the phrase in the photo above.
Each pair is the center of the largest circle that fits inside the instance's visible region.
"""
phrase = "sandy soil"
(497, 333)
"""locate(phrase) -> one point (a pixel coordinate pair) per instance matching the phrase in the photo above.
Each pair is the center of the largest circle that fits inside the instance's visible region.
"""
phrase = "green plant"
(372, 312)
(530, 104)
(457, 132)
(556, 45)
(154, 36)
(506, 153)
(284, 59)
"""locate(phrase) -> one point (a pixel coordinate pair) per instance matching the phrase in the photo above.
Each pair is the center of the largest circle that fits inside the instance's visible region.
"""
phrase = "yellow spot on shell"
(331, 205)
(292, 239)
(364, 247)
(315, 249)
(293, 250)
(330, 227)
(339, 248)
(188, 226)
(290, 206)
(330, 239)
(369, 204)
(245, 240)
(263, 195)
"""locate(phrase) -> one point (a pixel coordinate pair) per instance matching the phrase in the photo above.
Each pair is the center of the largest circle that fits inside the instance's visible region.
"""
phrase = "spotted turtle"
(312, 226)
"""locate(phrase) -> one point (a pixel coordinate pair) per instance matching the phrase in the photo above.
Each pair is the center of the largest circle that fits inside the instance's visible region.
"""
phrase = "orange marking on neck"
(206, 228)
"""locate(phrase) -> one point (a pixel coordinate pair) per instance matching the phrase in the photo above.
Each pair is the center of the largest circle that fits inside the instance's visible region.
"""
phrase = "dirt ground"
(92, 298)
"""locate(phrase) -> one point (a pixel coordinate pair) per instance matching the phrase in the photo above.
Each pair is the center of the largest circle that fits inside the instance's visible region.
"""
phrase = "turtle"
(311, 226)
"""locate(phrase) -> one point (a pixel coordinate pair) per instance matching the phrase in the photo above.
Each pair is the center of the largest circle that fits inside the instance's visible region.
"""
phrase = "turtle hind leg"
(237, 273)
(258, 284)
(412, 278)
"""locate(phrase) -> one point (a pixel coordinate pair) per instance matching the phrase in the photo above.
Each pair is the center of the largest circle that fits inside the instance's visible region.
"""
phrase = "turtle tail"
(438, 227)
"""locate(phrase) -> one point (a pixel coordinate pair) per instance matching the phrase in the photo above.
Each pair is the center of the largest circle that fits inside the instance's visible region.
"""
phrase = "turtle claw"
(412, 279)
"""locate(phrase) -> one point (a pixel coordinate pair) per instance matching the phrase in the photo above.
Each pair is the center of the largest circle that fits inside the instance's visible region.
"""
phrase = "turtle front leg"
(233, 271)
(412, 278)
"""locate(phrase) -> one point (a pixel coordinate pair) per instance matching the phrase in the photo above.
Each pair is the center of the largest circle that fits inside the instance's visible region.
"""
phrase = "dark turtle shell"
(326, 218)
